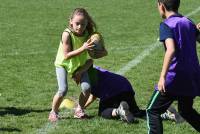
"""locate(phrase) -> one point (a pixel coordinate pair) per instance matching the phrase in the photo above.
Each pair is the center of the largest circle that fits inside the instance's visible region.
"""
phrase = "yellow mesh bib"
(73, 63)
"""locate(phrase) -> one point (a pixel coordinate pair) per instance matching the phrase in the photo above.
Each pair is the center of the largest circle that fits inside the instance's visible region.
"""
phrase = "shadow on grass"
(10, 130)
(19, 111)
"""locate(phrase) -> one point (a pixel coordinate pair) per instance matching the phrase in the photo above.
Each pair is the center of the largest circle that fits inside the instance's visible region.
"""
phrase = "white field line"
(50, 126)
(147, 51)
(47, 128)
(138, 59)
(43, 52)
(193, 12)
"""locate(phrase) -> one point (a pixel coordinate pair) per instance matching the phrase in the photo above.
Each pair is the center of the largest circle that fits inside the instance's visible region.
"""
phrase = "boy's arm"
(198, 32)
(170, 50)
(90, 100)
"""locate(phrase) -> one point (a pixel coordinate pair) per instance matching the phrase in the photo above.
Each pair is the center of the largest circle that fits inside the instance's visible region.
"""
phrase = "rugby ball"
(98, 45)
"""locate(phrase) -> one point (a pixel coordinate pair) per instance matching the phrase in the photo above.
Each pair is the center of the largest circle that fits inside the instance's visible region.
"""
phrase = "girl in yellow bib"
(72, 54)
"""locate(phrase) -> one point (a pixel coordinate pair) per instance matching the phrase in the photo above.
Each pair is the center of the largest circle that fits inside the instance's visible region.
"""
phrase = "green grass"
(29, 37)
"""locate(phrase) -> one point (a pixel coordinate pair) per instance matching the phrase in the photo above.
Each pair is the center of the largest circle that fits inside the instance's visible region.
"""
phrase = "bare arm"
(67, 46)
(166, 63)
(198, 26)
(90, 100)
(198, 36)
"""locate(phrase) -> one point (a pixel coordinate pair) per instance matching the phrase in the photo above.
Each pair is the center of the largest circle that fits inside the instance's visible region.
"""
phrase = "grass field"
(29, 37)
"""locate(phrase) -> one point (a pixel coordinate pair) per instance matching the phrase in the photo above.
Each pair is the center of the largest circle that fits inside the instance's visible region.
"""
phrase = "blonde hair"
(91, 26)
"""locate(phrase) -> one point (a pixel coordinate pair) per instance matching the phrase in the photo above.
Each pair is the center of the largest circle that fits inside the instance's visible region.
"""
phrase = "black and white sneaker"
(173, 115)
(124, 113)
(178, 118)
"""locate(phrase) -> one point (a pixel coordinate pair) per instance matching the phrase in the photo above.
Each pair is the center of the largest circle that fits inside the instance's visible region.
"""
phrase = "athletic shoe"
(53, 116)
(173, 116)
(124, 113)
(178, 117)
(79, 113)
(168, 116)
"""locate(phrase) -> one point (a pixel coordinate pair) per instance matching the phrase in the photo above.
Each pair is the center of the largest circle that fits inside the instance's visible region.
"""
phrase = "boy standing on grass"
(180, 75)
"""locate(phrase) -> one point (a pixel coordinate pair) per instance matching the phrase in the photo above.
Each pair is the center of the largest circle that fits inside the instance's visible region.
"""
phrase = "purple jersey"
(183, 76)
(106, 84)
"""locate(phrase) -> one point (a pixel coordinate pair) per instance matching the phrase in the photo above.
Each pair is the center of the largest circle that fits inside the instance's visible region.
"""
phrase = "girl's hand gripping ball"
(98, 45)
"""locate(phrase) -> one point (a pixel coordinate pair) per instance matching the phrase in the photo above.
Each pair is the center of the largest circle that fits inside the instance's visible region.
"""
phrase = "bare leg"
(53, 115)
(56, 102)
